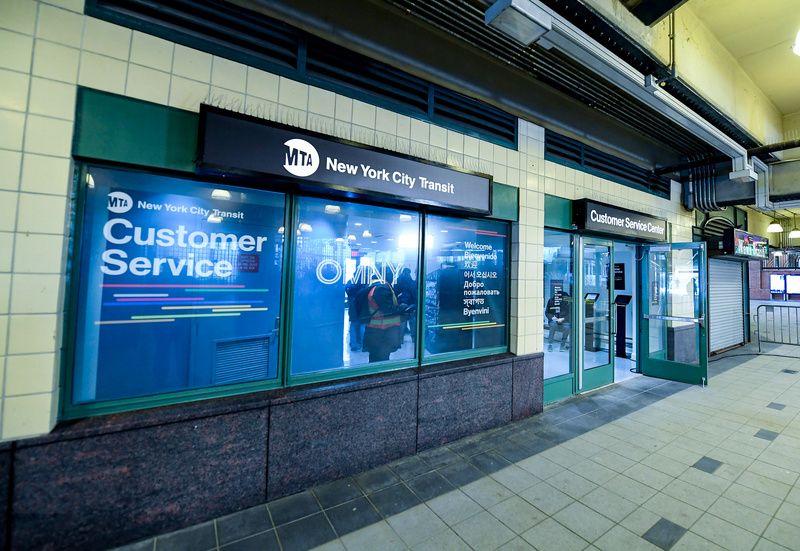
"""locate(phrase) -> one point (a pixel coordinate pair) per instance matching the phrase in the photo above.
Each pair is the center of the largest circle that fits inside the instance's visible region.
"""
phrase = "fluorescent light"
(795, 233)
(90, 181)
(796, 47)
(220, 194)
(774, 227)
(357, 224)
(332, 209)
(522, 20)
(305, 227)
(405, 218)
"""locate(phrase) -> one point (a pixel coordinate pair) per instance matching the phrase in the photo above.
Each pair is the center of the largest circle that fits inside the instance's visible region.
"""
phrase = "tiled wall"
(47, 48)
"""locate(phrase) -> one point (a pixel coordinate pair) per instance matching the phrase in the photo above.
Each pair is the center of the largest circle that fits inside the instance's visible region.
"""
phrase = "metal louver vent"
(241, 360)
(252, 38)
(563, 150)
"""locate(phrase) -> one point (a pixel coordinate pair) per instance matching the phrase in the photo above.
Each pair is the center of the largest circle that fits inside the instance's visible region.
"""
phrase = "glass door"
(673, 343)
(595, 314)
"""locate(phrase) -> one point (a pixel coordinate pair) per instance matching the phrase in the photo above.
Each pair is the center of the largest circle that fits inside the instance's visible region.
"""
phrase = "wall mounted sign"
(619, 276)
(599, 217)
(746, 244)
(239, 143)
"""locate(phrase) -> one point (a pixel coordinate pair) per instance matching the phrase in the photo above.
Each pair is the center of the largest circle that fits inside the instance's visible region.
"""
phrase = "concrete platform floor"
(644, 464)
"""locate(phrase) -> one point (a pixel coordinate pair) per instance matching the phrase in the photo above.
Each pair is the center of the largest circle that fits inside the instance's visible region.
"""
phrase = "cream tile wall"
(48, 48)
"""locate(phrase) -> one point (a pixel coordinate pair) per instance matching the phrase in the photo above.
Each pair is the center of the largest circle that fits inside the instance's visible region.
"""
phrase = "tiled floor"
(646, 464)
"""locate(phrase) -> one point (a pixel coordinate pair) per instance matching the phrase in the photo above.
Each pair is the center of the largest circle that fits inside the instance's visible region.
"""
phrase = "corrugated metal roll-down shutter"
(725, 304)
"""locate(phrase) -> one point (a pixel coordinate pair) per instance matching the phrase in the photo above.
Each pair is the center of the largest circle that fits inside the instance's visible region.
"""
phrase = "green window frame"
(70, 410)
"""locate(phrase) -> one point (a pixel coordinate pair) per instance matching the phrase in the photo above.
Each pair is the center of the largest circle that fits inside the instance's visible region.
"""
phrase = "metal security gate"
(726, 304)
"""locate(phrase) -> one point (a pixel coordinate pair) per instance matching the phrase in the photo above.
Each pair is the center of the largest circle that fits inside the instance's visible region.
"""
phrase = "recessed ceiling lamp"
(775, 227)
(796, 47)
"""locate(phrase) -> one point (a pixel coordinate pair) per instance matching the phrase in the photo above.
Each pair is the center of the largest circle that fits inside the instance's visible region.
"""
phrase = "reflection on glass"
(465, 284)
(674, 290)
(179, 286)
(596, 302)
(558, 302)
(355, 285)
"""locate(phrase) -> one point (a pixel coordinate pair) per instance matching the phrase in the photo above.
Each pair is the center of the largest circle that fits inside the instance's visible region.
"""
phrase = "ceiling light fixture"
(775, 227)
(795, 233)
(796, 47)
(522, 20)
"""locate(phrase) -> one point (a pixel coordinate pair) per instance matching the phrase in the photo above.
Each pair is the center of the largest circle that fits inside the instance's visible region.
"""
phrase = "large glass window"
(558, 302)
(179, 286)
(465, 303)
(355, 286)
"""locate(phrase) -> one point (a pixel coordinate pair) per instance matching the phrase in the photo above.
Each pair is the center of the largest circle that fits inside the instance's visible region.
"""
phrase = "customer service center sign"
(239, 143)
(599, 217)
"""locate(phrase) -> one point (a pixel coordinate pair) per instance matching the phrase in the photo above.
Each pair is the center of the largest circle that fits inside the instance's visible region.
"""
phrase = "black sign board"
(240, 143)
(738, 244)
(599, 217)
(619, 276)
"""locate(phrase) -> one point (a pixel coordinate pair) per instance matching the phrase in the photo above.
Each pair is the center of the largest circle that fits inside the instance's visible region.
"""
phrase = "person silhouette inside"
(559, 313)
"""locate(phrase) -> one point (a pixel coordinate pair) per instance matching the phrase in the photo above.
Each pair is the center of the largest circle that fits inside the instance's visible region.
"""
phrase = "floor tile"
(460, 473)
(484, 531)
(703, 480)
(376, 479)
(439, 457)
(690, 494)
(353, 515)
(410, 467)
(429, 485)
(608, 504)
(540, 467)
(416, 525)
(708, 465)
(293, 507)
(765, 434)
(517, 544)
(550, 535)
(394, 499)
(724, 533)
(443, 541)
(753, 499)
(776, 406)
(619, 538)
(375, 536)
(739, 515)
(664, 464)
(630, 489)
(767, 545)
(517, 514)
(692, 542)
(764, 484)
(789, 512)
(648, 476)
(243, 524)
(305, 533)
(593, 471)
(673, 510)
(582, 520)
(546, 498)
(640, 521)
(487, 492)
(198, 538)
(489, 462)
(337, 492)
(664, 534)
(783, 533)
(265, 541)
(453, 507)
(515, 478)
(571, 484)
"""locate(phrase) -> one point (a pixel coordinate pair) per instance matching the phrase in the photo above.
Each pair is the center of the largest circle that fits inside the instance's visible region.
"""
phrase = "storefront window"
(465, 303)
(355, 286)
(179, 286)
(558, 302)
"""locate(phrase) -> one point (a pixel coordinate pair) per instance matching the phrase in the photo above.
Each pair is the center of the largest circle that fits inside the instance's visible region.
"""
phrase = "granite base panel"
(95, 493)
(113, 480)
(458, 404)
(528, 387)
(328, 438)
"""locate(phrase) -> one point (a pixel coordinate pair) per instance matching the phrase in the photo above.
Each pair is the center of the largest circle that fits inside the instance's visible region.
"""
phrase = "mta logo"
(119, 202)
(301, 158)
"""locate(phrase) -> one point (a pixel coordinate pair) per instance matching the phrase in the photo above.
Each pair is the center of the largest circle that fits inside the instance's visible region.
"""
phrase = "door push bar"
(700, 320)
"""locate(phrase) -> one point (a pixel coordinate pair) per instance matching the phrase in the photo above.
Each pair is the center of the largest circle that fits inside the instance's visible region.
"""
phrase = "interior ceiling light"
(774, 227)
(220, 194)
(796, 47)
(332, 209)
(366, 233)
(522, 20)
(795, 233)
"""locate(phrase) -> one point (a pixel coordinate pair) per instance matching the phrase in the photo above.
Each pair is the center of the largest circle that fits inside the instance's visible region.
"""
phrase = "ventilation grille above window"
(241, 360)
(229, 31)
(569, 152)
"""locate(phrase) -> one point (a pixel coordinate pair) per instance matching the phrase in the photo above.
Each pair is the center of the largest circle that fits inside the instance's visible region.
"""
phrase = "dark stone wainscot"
(111, 480)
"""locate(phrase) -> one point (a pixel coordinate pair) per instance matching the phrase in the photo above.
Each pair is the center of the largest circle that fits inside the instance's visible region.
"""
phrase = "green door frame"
(590, 379)
(657, 365)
